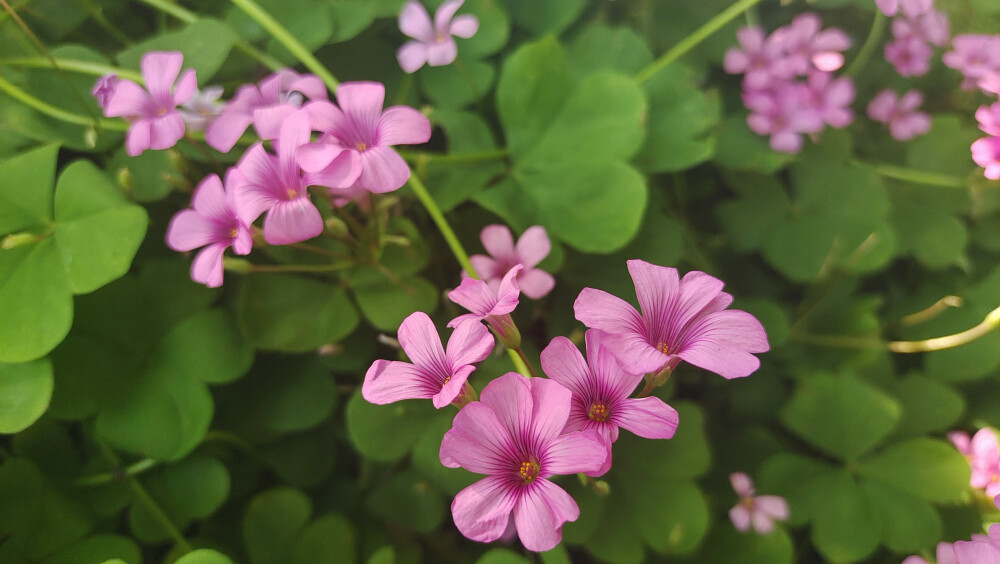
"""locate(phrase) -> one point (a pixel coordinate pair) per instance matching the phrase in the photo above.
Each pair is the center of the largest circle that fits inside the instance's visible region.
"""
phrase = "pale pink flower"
(760, 59)
(265, 106)
(203, 107)
(514, 436)
(492, 304)
(901, 114)
(981, 549)
(945, 555)
(931, 27)
(989, 118)
(888, 7)
(213, 223)
(359, 138)
(782, 113)
(986, 153)
(154, 120)
(433, 372)
(531, 248)
(911, 56)
(830, 98)
(601, 390)
(433, 43)
(975, 56)
(682, 319)
(807, 45)
(985, 461)
(759, 511)
(104, 88)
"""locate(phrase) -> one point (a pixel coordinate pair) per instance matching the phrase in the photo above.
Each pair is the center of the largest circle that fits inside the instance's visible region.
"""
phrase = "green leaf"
(272, 524)
(493, 33)
(386, 432)
(684, 456)
(26, 192)
(740, 148)
(726, 545)
(671, 516)
(21, 488)
(208, 346)
(842, 416)
(149, 173)
(302, 397)
(459, 84)
(193, 488)
(386, 302)
(97, 230)
(327, 540)
(97, 549)
(603, 48)
(409, 501)
(846, 528)
(545, 16)
(426, 459)
(797, 479)
(501, 556)
(204, 43)
(303, 460)
(908, 522)
(293, 313)
(936, 237)
(928, 468)
(945, 149)
(35, 293)
(25, 391)
(928, 405)
(204, 556)
(452, 183)
(681, 119)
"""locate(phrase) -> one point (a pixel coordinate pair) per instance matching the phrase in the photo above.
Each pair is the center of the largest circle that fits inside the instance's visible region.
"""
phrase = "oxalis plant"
(240, 320)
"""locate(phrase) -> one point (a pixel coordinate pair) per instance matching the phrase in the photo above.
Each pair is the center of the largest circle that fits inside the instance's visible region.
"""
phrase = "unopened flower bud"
(505, 329)
(336, 227)
(239, 265)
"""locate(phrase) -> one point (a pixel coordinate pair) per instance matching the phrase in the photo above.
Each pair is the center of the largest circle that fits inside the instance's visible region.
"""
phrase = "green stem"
(869, 46)
(418, 157)
(58, 113)
(95, 12)
(524, 360)
(110, 477)
(913, 175)
(185, 16)
(696, 37)
(519, 364)
(283, 36)
(442, 224)
(73, 65)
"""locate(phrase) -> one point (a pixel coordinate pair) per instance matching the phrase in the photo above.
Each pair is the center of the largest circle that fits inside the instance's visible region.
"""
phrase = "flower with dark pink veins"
(682, 319)
(215, 224)
(154, 120)
(433, 43)
(901, 114)
(265, 106)
(986, 153)
(492, 304)
(433, 372)
(601, 390)
(360, 135)
(759, 511)
(514, 436)
(531, 248)
(274, 184)
(758, 58)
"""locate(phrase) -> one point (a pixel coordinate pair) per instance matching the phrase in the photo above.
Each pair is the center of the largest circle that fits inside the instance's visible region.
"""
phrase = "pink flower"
(831, 98)
(274, 184)
(682, 319)
(888, 7)
(760, 59)
(601, 390)
(360, 136)
(433, 42)
(945, 555)
(989, 118)
(531, 248)
(905, 122)
(985, 462)
(760, 511)
(434, 373)
(215, 224)
(513, 435)
(104, 88)
(931, 27)
(975, 56)
(807, 45)
(782, 113)
(155, 121)
(982, 549)
(492, 304)
(203, 107)
(265, 106)
(986, 153)
(962, 442)
(910, 55)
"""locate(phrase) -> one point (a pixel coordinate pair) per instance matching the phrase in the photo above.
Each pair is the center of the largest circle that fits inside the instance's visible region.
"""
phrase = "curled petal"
(481, 511)
(540, 513)
(206, 268)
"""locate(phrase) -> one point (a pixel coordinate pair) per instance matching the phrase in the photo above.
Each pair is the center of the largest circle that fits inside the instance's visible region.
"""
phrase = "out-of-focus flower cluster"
(915, 29)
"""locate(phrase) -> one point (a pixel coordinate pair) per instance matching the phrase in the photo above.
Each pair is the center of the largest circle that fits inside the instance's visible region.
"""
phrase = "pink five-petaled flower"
(783, 113)
(155, 121)
(514, 436)
(984, 457)
(759, 58)
(905, 122)
(360, 135)
(682, 319)
(760, 511)
(274, 184)
(601, 390)
(986, 153)
(265, 106)
(434, 373)
(214, 224)
(433, 42)
(531, 248)
(492, 304)
(830, 98)
(810, 47)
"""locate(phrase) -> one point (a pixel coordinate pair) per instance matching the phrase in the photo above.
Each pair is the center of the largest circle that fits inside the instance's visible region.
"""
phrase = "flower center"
(748, 502)
(162, 111)
(361, 146)
(292, 193)
(233, 233)
(529, 471)
(598, 412)
(663, 347)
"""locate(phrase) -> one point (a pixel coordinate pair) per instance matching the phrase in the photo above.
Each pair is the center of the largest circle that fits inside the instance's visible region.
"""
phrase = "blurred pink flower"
(986, 153)
(989, 118)
(759, 511)
(888, 7)
(213, 223)
(682, 319)
(760, 59)
(985, 455)
(901, 114)
(945, 555)
(154, 120)
(911, 56)
(514, 436)
(601, 390)
(202, 109)
(433, 372)
(531, 248)
(830, 98)
(433, 43)
(782, 113)
(806, 44)
(975, 56)
(104, 88)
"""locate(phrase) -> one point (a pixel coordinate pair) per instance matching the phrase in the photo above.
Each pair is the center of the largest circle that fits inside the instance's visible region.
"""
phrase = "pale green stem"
(284, 37)
(58, 113)
(186, 16)
(696, 37)
(73, 65)
(524, 361)
(98, 16)
(869, 46)
(914, 175)
(111, 477)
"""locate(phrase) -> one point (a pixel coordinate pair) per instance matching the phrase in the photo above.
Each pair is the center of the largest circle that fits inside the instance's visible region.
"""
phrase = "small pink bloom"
(806, 44)
(433, 43)
(986, 153)
(975, 56)
(492, 304)
(434, 372)
(514, 436)
(888, 7)
(275, 185)
(783, 113)
(155, 121)
(104, 88)
(531, 248)
(601, 390)
(901, 114)
(985, 456)
(760, 511)
(910, 55)
(962, 442)
(682, 319)
(831, 98)
(203, 107)
(989, 118)
(945, 555)
(931, 27)
(759, 59)
(215, 224)
(359, 137)
(265, 106)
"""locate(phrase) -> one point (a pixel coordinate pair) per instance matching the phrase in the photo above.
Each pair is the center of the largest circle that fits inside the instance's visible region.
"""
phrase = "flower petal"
(740, 516)
(550, 409)
(485, 266)
(188, 230)
(391, 381)
(773, 506)
(498, 241)
(415, 22)
(165, 131)
(209, 199)
(310, 85)
(292, 221)
(478, 442)
(137, 138)
(510, 398)
(742, 484)
(481, 511)
(342, 172)
(475, 296)
(422, 344)
(186, 87)
(508, 292)
(648, 417)
(444, 14)
(160, 70)
(723, 342)
(411, 56)
(533, 246)
(129, 100)
(608, 376)
(464, 26)
(598, 309)
(314, 157)
(384, 170)
(471, 342)
(403, 125)
(563, 362)
(267, 120)
(540, 513)
(226, 129)
(206, 268)
(443, 52)
(362, 101)
(762, 523)
(452, 386)
(579, 451)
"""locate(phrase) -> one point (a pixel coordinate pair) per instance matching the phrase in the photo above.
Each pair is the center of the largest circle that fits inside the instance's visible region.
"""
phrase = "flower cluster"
(521, 431)
(788, 81)
(915, 29)
(351, 158)
(986, 150)
(976, 56)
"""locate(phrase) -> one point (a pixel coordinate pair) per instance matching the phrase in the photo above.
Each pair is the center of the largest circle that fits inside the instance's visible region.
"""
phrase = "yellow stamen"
(361, 146)
(598, 412)
(529, 471)
(292, 193)
(663, 347)
(233, 233)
